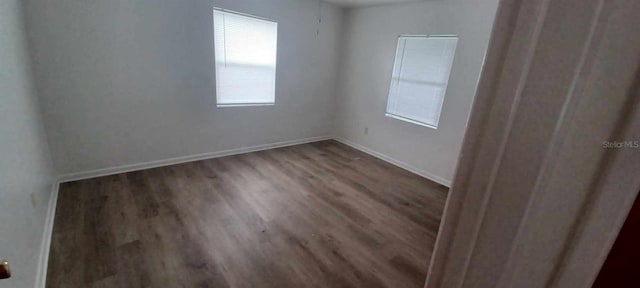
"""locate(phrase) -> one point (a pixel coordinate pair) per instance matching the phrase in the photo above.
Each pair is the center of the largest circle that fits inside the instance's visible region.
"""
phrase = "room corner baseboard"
(410, 168)
(183, 159)
(43, 261)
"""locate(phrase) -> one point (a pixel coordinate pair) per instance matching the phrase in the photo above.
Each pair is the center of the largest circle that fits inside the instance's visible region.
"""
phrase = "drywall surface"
(125, 82)
(367, 61)
(25, 168)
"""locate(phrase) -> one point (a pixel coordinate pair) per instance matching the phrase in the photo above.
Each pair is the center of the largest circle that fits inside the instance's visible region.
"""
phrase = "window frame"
(275, 70)
(446, 86)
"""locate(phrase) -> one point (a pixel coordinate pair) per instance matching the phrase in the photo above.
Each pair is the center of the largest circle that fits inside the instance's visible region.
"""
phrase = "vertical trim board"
(43, 262)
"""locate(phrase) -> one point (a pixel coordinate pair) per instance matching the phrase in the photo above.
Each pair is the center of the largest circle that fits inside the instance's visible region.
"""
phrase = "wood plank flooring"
(312, 215)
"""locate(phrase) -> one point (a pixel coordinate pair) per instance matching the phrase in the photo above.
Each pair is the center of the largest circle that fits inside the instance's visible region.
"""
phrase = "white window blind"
(420, 76)
(245, 53)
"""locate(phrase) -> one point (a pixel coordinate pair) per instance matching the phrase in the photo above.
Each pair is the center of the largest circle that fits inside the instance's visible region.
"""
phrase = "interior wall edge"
(26, 172)
(36, 92)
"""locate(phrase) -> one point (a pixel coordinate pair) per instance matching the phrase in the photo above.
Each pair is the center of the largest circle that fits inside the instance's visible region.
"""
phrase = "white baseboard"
(43, 261)
(182, 159)
(410, 168)
(211, 155)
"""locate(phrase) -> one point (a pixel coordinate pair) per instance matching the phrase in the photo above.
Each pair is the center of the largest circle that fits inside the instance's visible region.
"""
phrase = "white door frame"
(537, 200)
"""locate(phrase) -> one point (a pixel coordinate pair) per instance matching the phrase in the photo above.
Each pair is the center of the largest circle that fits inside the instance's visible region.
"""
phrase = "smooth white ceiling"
(357, 3)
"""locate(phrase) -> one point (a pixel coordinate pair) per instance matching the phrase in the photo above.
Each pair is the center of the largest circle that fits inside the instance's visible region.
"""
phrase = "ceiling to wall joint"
(361, 3)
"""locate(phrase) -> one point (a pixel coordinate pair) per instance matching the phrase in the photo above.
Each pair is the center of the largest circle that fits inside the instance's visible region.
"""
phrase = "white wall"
(127, 82)
(124, 82)
(25, 173)
(367, 61)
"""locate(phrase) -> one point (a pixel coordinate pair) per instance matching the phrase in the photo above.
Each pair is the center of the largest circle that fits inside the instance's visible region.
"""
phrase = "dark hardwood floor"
(313, 215)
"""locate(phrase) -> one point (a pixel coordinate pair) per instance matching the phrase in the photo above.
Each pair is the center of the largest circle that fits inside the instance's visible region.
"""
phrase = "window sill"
(411, 121)
(245, 105)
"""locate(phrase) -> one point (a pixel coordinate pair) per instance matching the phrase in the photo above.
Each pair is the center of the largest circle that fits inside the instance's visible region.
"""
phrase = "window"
(245, 53)
(420, 76)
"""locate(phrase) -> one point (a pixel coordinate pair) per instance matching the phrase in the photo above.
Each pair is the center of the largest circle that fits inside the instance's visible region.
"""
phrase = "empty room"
(308, 143)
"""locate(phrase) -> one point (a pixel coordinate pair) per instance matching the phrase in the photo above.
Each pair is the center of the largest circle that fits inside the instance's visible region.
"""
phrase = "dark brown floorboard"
(313, 215)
